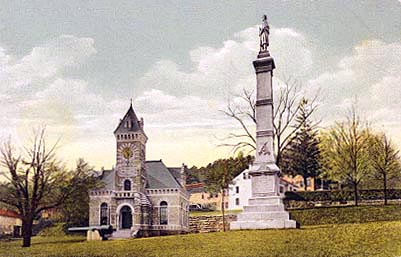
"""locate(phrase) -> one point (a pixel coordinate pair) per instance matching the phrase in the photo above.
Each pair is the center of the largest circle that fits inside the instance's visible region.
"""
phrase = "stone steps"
(269, 200)
(264, 208)
(263, 216)
(122, 233)
(266, 224)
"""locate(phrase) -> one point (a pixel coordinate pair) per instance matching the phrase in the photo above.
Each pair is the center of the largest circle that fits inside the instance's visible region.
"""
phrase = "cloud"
(370, 76)
(45, 61)
(220, 73)
(163, 110)
(33, 89)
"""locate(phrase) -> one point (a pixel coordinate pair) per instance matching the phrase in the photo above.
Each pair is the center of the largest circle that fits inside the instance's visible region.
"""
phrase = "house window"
(237, 189)
(127, 185)
(163, 213)
(236, 201)
(203, 196)
(104, 216)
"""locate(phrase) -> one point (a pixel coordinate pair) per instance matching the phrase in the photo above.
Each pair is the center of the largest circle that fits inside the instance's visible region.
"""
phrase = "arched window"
(163, 213)
(127, 185)
(104, 214)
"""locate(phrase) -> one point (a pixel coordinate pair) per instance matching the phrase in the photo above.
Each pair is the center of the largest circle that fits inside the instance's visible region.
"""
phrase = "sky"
(73, 66)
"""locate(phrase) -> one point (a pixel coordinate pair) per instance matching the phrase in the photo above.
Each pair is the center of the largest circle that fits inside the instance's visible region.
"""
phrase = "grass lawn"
(365, 239)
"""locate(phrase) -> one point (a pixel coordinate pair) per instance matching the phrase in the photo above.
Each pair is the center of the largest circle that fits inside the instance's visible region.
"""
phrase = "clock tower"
(131, 148)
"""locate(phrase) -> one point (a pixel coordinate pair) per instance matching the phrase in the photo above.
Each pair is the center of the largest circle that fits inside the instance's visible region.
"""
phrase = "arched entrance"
(125, 217)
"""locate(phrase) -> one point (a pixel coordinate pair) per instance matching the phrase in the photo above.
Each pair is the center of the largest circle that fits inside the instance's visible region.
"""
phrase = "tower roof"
(129, 123)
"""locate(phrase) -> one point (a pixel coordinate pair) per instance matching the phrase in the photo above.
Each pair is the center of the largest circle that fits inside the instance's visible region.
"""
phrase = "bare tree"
(245, 117)
(285, 111)
(34, 181)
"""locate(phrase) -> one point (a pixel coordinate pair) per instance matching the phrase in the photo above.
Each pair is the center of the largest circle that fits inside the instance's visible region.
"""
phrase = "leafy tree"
(219, 175)
(302, 155)
(241, 162)
(35, 181)
(385, 161)
(345, 151)
(75, 209)
(218, 178)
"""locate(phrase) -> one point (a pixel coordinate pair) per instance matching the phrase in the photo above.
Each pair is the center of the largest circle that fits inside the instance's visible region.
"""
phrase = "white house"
(240, 191)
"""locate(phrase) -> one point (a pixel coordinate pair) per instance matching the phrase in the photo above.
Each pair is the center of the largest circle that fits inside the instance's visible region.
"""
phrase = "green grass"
(367, 239)
(349, 214)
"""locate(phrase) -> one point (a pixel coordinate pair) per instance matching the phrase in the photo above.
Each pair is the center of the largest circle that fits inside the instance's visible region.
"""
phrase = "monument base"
(264, 213)
(266, 208)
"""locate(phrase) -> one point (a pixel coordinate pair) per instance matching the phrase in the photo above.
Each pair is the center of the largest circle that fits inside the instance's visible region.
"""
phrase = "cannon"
(94, 232)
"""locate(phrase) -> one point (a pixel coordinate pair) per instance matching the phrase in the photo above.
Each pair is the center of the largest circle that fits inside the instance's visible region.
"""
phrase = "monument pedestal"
(265, 209)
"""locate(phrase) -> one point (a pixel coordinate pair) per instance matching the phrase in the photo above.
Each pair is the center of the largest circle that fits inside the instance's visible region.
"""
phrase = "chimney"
(183, 175)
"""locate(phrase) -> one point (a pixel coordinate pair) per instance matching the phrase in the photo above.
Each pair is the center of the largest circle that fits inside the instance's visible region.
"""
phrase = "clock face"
(126, 151)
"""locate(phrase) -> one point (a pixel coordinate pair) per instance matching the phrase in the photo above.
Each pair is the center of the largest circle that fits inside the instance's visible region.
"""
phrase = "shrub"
(58, 229)
(341, 195)
(350, 214)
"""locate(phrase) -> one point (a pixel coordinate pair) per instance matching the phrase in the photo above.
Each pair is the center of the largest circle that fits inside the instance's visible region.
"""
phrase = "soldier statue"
(264, 34)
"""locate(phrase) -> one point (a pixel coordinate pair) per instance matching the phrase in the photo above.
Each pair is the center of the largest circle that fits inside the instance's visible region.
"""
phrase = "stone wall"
(209, 223)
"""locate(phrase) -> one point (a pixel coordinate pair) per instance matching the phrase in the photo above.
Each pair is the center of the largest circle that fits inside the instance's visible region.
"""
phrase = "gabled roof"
(176, 172)
(195, 188)
(132, 119)
(107, 177)
(159, 176)
(9, 213)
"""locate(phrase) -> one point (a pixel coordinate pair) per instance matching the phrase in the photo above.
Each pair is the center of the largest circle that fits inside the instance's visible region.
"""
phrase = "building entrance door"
(126, 217)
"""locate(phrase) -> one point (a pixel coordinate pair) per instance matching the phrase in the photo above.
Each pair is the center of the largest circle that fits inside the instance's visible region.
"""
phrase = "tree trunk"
(305, 183)
(385, 188)
(222, 210)
(278, 159)
(356, 194)
(27, 232)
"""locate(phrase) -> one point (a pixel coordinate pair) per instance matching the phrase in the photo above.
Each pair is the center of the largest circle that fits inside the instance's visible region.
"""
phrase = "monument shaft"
(265, 181)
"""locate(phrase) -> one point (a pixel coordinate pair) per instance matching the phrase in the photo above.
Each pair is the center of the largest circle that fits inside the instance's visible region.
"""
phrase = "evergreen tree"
(302, 155)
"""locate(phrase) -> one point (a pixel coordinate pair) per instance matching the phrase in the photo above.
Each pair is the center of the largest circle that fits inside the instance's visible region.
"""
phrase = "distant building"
(240, 191)
(10, 223)
(311, 183)
(199, 196)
